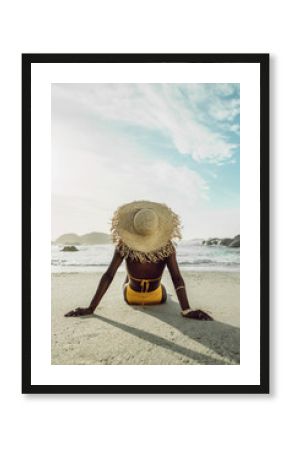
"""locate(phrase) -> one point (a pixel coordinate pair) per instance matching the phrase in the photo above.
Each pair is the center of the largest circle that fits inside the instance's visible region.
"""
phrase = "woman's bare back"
(145, 270)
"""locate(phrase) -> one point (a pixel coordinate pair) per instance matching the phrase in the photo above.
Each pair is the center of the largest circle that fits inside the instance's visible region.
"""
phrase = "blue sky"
(174, 143)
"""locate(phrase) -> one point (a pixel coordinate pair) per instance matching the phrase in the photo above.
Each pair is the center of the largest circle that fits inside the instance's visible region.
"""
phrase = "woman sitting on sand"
(143, 232)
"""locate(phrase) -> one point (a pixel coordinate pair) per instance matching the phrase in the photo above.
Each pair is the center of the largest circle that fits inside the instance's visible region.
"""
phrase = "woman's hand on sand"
(79, 312)
(198, 314)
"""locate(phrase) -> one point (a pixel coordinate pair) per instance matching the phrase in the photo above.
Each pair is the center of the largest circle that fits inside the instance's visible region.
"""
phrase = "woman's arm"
(180, 290)
(104, 283)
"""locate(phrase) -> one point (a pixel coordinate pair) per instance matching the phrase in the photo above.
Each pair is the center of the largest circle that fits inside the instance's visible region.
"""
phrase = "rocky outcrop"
(227, 242)
(235, 242)
(69, 248)
(212, 241)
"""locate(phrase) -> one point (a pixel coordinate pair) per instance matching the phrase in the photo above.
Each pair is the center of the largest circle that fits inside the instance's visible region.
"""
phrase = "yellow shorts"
(143, 298)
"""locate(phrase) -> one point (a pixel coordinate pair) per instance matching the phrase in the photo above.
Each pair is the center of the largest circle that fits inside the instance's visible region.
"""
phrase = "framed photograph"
(142, 173)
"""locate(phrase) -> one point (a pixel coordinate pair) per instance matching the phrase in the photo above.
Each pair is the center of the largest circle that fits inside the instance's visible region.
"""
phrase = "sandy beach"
(121, 334)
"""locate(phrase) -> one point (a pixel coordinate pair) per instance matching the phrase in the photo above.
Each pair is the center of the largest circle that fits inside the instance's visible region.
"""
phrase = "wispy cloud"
(102, 155)
(165, 108)
(102, 180)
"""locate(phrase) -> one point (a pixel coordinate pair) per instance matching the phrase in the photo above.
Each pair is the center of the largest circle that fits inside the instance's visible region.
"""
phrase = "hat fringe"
(151, 256)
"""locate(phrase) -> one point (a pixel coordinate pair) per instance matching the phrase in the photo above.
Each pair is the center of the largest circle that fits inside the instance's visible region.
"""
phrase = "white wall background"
(106, 421)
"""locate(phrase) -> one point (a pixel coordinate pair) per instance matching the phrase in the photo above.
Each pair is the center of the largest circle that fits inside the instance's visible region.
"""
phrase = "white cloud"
(157, 107)
(222, 109)
(235, 128)
(225, 89)
(95, 185)
(95, 168)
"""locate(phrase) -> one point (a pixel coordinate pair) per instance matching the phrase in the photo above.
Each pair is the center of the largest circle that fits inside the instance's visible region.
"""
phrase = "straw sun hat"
(144, 230)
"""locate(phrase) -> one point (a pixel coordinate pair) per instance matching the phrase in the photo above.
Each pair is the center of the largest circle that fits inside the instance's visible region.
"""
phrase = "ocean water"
(191, 255)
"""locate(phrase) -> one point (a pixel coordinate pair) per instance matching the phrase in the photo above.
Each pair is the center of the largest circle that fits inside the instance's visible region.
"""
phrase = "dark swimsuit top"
(144, 284)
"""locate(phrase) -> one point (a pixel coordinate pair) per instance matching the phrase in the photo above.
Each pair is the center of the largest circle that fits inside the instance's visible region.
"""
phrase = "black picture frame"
(261, 59)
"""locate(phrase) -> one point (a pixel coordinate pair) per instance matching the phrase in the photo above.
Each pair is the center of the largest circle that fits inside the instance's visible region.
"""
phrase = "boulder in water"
(69, 248)
(212, 241)
(226, 241)
(235, 242)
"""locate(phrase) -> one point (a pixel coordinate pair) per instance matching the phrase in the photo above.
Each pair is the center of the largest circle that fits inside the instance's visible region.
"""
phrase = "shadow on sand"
(219, 337)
